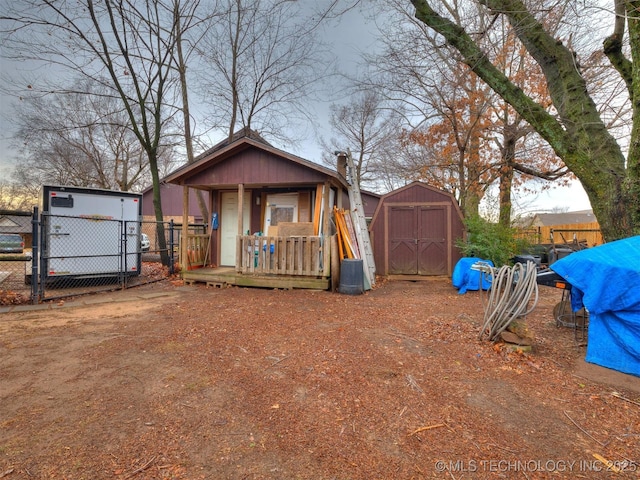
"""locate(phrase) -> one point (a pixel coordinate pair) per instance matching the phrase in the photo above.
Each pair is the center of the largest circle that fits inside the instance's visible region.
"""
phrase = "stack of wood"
(347, 242)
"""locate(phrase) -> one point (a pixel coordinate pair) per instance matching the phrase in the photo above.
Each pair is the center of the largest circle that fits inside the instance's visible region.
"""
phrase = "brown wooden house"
(414, 231)
(271, 228)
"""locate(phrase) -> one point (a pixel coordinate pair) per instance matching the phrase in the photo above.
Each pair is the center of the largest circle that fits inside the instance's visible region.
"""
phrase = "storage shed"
(414, 231)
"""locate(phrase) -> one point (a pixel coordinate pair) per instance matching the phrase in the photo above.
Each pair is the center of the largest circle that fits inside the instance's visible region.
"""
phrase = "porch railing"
(280, 255)
(197, 245)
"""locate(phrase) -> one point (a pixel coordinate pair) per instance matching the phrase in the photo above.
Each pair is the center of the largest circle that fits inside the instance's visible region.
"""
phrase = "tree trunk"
(157, 207)
(182, 69)
(462, 175)
(474, 184)
(578, 136)
(506, 173)
(470, 195)
(506, 184)
(632, 185)
(234, 73)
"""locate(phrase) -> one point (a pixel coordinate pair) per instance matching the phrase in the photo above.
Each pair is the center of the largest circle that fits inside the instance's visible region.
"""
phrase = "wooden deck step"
(223, 277)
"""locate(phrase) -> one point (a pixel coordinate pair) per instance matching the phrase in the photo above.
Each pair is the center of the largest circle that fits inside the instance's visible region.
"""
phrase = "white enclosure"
(91, 232)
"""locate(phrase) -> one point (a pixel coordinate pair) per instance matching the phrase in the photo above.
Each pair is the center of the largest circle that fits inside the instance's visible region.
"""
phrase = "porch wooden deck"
(223, 276)
(263, 261)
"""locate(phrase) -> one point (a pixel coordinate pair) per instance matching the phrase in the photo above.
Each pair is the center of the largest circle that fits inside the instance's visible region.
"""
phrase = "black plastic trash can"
(351, 276)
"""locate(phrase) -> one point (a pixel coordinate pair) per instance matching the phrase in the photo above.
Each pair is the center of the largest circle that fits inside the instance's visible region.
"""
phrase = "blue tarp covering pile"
(606, 280)
(464, 278)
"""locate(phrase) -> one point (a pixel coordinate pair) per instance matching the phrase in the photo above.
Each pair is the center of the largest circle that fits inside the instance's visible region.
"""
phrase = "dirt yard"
(173, 382)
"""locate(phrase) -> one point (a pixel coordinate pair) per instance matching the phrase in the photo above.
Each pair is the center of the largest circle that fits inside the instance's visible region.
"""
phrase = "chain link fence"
(70, 256)
(14, 286)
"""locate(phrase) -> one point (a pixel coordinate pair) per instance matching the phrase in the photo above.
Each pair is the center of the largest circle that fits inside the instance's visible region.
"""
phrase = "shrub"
(491, 241)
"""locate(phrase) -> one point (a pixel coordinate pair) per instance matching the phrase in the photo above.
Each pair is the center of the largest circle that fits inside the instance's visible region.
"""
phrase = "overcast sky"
(350, 36)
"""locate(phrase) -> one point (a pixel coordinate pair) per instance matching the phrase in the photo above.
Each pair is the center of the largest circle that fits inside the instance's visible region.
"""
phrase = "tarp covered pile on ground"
(465, 277)
(606, 280)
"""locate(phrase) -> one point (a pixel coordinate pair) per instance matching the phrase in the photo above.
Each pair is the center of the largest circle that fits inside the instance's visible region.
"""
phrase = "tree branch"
(612, 47)
(550, 175)
(536, 115)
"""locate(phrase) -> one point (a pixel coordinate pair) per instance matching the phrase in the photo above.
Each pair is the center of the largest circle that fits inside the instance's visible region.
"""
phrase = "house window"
(281, 207)
(281, 214)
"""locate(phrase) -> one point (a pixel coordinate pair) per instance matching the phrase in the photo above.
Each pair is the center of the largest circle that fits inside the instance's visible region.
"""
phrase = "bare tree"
(180, 62)
(370, 131)
(575, 128)
(82, 138)
(263, 59)
(126, 45)
(465, 137)
(15, 196)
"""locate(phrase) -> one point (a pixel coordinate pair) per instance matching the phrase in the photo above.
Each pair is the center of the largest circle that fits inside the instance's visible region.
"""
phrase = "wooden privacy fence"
(280, 255)
(583, 233)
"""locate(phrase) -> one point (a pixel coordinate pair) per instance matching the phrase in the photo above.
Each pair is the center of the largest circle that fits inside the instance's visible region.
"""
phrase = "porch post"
(240, 208)
(326, 207)
(212, 245)
(326, 241)
(185, 229)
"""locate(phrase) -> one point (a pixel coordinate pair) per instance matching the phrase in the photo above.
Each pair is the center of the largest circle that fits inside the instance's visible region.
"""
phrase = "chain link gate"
(74, 255)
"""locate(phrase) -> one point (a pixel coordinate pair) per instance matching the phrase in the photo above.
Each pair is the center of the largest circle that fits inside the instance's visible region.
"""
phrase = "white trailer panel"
(89, 230)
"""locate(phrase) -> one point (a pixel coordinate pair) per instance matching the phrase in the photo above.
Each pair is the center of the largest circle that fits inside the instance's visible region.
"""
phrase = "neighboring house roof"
(370, 202)
(567, 218)
(15, 221)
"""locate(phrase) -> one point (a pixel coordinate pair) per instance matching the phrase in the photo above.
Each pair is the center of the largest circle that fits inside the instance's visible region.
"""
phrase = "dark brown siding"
(414, 230)
(369, 201)
(171, 201)
(255, 167)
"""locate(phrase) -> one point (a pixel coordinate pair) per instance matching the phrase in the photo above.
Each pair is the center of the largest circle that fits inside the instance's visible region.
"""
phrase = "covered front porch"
(269, 218)
(265, 261)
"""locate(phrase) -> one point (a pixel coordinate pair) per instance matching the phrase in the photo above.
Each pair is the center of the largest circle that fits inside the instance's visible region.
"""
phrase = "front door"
(418, 240)
(229, 225)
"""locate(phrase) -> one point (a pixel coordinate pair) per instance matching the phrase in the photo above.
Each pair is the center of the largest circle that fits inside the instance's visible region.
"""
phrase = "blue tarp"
(606, 280)
(464, 278)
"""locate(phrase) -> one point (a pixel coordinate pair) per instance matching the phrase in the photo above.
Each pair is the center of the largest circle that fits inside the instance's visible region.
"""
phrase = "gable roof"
(566, 218)
(245, 141)
(419, 185)
(15, 222)
(242, 133)
(418, 192)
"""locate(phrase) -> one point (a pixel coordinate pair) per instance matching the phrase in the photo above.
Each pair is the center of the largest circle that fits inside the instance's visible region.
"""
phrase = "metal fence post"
(35, 232)
(44, 247)
(171, 240)
(124, 267)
